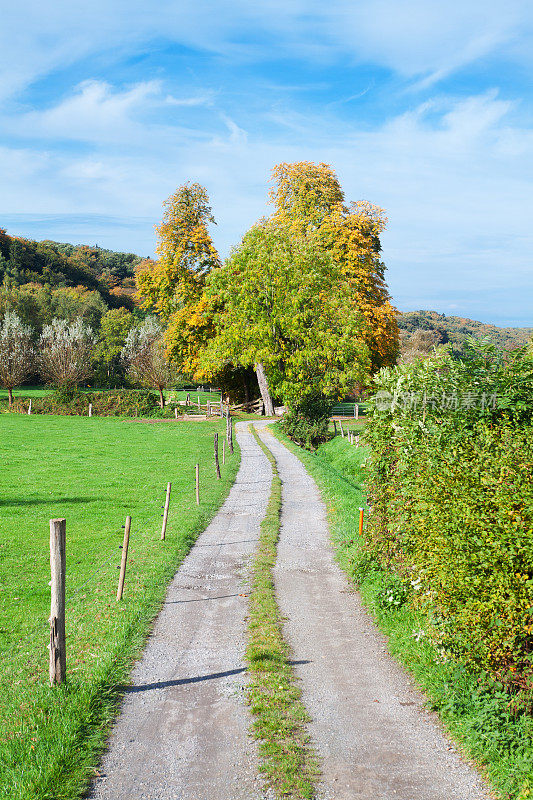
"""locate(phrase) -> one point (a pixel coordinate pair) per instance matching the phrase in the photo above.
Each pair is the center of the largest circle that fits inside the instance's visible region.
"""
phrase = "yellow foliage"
(308, 198)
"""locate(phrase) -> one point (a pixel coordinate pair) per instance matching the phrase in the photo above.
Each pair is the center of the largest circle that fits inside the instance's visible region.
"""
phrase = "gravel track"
(183, 730)
(374, 737)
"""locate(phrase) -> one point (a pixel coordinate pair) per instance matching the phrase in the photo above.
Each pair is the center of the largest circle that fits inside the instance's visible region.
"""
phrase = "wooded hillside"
(455, 330)
(55, 264)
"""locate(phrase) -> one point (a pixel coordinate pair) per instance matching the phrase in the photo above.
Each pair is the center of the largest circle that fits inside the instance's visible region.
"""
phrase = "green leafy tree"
(114, 329)
(284, 304)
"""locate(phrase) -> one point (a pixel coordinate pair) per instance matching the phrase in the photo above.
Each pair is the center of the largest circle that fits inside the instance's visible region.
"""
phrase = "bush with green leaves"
(119, 402)
(452, 508)
(307, 421)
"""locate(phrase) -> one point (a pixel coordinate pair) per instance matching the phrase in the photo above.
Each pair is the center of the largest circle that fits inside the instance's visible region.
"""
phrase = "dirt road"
(183, 730)
(374, 738)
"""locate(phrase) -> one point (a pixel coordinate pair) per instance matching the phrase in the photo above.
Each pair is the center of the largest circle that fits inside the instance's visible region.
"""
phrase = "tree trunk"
(10, 395)
(263, 387)
(161, 399)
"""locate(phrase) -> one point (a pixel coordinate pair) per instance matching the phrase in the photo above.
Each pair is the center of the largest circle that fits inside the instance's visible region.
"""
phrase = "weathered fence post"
(165, 512)
(125, 543)
(229, 429)
(342, 430)
(188, 399)
(176, 412)
(356, 410)
(198, 402)
(223, 451)
(334, 428)
(208, 408)
(198, 484)
(90, 409)
(361, 515)
(217, 465)
(58, 657)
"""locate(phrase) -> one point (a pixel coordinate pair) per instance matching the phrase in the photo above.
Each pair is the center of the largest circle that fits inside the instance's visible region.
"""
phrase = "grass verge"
(93, 472)
(473, 709)
(289, 764)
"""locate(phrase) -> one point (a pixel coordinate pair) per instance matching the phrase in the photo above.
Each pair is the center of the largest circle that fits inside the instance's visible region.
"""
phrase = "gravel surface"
(374, 737)
(183, 730)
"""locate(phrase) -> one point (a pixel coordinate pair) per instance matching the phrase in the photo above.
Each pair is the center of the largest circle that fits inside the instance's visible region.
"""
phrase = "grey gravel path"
(374, 737)
(183, 730)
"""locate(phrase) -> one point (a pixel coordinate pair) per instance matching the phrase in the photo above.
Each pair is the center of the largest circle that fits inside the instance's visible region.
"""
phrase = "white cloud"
(421, 39)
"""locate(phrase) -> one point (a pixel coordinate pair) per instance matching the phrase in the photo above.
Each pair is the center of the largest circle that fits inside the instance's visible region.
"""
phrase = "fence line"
(62, 602)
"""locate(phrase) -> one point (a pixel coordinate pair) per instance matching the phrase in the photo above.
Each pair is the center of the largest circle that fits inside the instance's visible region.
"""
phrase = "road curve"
(183, 730)
(374, 737)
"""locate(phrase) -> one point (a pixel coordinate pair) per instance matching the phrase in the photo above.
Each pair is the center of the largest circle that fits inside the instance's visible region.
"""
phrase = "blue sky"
(421, 107)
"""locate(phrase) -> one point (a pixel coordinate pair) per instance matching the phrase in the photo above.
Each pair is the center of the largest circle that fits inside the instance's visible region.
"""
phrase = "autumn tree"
(284, 304)
(417, 345)
(308, 197)
(144, 355)
(16, 353)
(174, 285)
(65, 352)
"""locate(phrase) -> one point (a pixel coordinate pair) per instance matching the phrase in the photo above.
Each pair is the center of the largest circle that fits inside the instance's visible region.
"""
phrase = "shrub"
(118, 402)
(307, 422)
(453, 517)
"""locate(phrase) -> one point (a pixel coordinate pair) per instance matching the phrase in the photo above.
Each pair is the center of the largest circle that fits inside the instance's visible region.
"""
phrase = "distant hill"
(456, 329)
(55, 264)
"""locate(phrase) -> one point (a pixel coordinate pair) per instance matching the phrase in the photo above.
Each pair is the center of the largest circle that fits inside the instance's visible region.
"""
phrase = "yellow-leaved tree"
(308, 197)
(174, 285)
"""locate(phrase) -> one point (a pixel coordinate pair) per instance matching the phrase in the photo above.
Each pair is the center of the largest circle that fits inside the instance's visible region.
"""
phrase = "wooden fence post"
(165, 512)
(188, 399)
(223, 451)
(198, 402)
(356, 410)
(198, 484)
(176, 412)
(125, 543)
(217, 465)
(361, 515)
(334, 428)
(342, 430)
(229, 429)
(90, 409)
(58, 658)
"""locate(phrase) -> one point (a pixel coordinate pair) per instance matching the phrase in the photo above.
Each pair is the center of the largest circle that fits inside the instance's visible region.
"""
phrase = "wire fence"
(26, 651)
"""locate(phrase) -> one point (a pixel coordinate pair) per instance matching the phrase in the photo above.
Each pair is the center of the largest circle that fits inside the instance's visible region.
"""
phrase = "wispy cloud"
(110, 105)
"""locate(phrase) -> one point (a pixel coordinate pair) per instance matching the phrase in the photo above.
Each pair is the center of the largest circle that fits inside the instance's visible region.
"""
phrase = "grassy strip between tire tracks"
(289, 763)
(472, 709)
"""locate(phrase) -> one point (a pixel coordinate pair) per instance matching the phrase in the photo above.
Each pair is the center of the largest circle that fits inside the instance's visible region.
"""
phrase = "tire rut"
(374, 737)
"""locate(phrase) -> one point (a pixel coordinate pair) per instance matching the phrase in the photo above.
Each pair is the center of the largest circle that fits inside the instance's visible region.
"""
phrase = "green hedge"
(452, 517)
(114, 403)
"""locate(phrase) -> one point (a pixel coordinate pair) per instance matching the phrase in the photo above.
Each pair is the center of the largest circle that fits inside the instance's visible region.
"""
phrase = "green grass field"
(93, 472)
